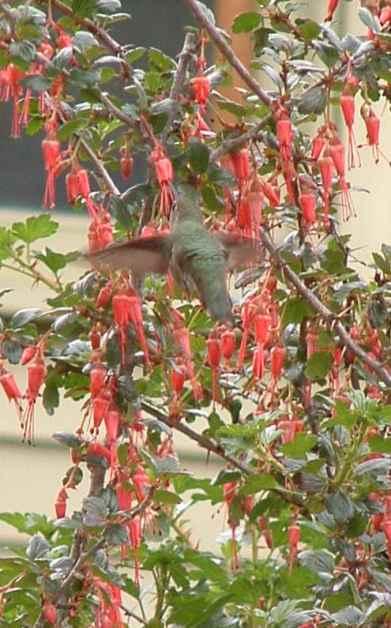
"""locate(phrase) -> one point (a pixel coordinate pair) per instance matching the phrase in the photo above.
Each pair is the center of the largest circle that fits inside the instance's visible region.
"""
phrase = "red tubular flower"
(293, 542)
(201, 89)
(277, 356)
(141, 482)
(214, 358)
(385, 15)
(272, 193)
(100, 232)
(258, 365)
(348, 111)
(307, 202)
(331, 8)
(60, 504)
(104, 295)
(94, 338)
(124, 497)
(97, 380)
(241, 165)
(100, 409)
(36, 374)
(262, 326)
(229, 491)
(96, 450)
(10, 387)
(284, 134)
(71, 187)
(318, 144)
(178, 379)
(83, 182)
(326, 167)
(112, 421)
(49, 612)
(228, 343)
(311, 339)
(135, 538)
(51, 151)
(108, 613)
(182, 338)
(126, 166)
(265, 531)
(336, 151)
(165, 175)
(136, 317)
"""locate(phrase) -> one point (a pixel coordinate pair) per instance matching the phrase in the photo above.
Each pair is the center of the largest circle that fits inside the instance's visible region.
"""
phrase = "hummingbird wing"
(240, 250)
(140, 255)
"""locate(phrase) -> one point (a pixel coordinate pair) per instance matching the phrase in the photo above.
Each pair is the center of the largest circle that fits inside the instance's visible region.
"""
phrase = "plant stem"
(32, 273)
(350, 458)
(228, 53)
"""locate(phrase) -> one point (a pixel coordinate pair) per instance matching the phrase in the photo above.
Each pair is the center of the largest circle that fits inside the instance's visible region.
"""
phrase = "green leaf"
(6, 242)
(166, 497)
(84, 8)
(38, 547)
(320, 561)
(135, 54)
(318, 365)
(12, 350)
(370, 20)
(295, 311)
(22, 52)
(246, 22)
(207, 565)
(37, 83)
(51, 396)
(301, 444)
(314, 100)
(198, 156)
(340, 506)
(380, 444)
(210, 198)
(343, 415)
(22, 317)
(309, 29)
(258, 482)
(34, 228)
(160, 61)
(56, 261)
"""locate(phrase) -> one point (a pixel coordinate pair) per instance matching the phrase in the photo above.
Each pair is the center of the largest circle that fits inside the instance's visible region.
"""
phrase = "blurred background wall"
(30, 477)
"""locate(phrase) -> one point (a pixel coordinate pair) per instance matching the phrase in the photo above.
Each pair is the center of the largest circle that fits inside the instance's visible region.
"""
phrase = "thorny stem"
(31, 272)
(93, 28)
(228, 52)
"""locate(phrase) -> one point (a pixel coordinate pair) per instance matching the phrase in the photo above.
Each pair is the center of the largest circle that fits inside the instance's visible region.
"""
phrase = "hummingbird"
(198, 259)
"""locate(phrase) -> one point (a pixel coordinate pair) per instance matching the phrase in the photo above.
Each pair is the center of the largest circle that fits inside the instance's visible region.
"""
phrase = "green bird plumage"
(198, 259)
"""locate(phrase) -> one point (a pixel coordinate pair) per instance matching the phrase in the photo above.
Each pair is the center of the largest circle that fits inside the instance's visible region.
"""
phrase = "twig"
(228, 53)
(203, 441)
(231, 144)
(324, 311)
(185, 57)
(100, 166)
(99, 32)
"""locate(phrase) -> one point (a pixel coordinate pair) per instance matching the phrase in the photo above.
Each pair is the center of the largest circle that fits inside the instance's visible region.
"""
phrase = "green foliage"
(304, 476)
